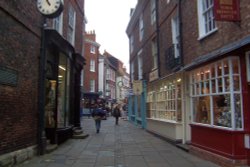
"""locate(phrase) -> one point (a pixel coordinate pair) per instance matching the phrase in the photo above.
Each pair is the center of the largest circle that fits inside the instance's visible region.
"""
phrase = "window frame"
(71, 25)
(92, 85)
(92, 65)
(202, 14)
(217, 75)
(154, 54)
(92, 49)
(165, 100)
(141, 27)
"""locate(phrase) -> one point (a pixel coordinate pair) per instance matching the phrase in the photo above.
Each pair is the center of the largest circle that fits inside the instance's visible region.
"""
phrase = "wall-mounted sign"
(137, 87)
(153, 75)
(8, 76)
(227, 10)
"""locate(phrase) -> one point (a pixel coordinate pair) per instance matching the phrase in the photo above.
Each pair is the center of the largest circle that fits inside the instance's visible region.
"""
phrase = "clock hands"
(48, 2)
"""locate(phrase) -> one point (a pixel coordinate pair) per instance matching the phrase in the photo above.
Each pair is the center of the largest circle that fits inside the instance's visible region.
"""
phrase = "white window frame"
(196, 83)
(163, 101)
(154, 54)
(92, 85)
(58, 23)
(206, 19)
(92, 65)
(153, 11)
(108, 77)
(132, 71)
(140, 65)
(176, 36)
(131, 42)
(71, 25)
(92, 49)
(141, 27)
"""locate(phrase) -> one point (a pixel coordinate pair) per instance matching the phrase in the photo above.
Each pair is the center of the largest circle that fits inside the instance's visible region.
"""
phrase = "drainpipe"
(41, 95)
(158, 37)
(180, 31)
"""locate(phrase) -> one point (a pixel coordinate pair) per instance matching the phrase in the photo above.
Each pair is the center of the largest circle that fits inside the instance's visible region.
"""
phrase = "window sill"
(215, 127)
(165, 120)
(208, 34)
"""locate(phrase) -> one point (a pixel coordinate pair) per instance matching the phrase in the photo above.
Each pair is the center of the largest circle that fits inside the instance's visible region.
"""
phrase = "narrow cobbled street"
(123, 145)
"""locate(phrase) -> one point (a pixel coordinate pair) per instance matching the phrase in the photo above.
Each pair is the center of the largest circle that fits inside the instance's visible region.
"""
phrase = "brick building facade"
(91, 54)
(197, 74)
(31, 94)
(20, 49)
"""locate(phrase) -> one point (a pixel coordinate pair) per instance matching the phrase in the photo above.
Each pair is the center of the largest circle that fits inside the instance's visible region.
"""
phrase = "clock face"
(50, 7)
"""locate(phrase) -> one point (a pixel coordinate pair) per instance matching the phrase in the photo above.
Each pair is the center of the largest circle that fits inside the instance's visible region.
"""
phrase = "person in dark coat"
(117, 113)
(97, 115)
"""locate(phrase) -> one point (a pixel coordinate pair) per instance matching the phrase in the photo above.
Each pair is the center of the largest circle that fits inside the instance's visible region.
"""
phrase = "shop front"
(165, 111)
(62, 88)
(219, 101)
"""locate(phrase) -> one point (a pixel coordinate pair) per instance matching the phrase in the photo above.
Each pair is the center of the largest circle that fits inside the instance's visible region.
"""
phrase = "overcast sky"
(109, 19)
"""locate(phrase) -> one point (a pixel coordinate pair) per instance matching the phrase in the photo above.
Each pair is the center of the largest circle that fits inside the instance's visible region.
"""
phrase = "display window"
(216, 94)
(63, 92)
(165, 100)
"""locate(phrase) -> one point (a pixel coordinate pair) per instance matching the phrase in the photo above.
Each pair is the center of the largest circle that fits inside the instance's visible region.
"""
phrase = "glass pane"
(219, 69)
(238, 113)
(226, 68)
(202, 75)
(213, 85)
(235, 63)
(227, 84)
(220, 86)
(236, 82)
(197, 89)
(222, 110)
(62, 92)
(179, 109)
(50, 104)
(213, 72)
(201, 109)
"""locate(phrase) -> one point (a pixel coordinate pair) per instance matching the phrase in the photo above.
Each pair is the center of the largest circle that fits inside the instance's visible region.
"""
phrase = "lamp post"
(48, 9)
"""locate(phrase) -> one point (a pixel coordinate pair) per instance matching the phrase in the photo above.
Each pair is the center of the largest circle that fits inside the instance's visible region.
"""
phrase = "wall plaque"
(8, 76)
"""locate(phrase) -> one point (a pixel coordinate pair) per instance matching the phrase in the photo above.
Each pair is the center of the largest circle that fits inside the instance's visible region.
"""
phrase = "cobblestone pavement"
(123, 145)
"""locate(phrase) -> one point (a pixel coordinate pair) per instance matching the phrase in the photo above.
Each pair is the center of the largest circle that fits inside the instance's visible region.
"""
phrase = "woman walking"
(97, 115)
(117, 113)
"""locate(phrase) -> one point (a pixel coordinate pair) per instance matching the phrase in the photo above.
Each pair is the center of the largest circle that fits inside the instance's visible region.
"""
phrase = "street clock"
(50, 8)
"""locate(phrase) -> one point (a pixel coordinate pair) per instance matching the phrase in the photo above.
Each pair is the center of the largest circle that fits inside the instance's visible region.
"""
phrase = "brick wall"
(19, 51)
(88, 75)
(228, 32)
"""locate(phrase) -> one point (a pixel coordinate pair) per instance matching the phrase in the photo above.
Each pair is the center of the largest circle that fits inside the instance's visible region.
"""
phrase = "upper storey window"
(71, 25)
(153, 12)
(141, 26)
(206, 17)
(92, 49)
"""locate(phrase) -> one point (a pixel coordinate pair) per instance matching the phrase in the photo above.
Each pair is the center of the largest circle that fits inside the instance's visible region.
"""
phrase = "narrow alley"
(123, 145)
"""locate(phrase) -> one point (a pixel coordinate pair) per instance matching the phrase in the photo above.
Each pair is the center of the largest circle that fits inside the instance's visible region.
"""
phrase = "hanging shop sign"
(137, 87)
(227, 10)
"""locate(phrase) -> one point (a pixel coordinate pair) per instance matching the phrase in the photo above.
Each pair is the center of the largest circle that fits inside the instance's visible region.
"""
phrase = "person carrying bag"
(97, 115)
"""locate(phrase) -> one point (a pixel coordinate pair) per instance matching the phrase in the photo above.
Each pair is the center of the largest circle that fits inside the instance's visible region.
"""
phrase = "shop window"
(165, 101)
(216, 94)
(63, 92)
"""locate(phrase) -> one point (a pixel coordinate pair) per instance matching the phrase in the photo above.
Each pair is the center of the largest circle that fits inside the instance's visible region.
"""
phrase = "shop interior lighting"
(61, 67)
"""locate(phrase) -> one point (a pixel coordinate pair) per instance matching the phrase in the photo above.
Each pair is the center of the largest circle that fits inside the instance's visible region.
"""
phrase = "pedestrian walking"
(97, 115)
(117, 113)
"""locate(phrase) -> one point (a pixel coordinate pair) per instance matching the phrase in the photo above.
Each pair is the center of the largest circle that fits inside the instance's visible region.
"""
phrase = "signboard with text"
(137, 87)
(227, 10)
